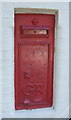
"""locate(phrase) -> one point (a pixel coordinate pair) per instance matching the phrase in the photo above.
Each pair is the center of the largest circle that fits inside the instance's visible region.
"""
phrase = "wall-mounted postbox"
(34, 59)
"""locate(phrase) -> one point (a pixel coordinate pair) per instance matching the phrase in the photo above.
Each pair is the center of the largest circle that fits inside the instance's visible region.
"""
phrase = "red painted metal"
(34, 60)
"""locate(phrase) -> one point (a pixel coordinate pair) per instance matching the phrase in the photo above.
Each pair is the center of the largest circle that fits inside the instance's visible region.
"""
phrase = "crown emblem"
(34, 21)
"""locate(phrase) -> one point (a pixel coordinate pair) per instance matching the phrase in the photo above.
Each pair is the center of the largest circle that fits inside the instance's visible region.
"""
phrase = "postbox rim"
(35, 11)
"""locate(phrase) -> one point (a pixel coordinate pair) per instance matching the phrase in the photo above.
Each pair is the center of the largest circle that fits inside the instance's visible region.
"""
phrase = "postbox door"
(34, 56)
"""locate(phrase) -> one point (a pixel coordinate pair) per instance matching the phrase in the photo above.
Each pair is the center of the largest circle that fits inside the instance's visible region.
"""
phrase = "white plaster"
(36, 1)
(0, 61)
(61, 91)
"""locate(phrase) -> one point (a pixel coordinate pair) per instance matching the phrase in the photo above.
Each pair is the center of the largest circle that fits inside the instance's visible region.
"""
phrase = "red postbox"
(34, 60)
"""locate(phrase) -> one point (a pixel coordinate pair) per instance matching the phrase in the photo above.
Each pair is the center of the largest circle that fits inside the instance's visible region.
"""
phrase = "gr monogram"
(32, 89)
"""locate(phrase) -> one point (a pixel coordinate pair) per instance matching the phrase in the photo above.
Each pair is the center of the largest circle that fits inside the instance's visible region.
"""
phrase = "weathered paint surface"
(34, 58)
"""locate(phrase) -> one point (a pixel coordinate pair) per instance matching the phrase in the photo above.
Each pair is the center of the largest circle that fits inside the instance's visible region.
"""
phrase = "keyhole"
(33, 52)
(30, 64)
(34, 32)
(26, 73)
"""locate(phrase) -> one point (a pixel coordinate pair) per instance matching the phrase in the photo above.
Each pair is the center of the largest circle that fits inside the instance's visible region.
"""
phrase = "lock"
(26, 75)
(34, 60)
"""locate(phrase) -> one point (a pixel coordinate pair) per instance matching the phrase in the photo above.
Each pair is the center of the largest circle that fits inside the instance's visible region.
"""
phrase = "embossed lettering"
(32, 89)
